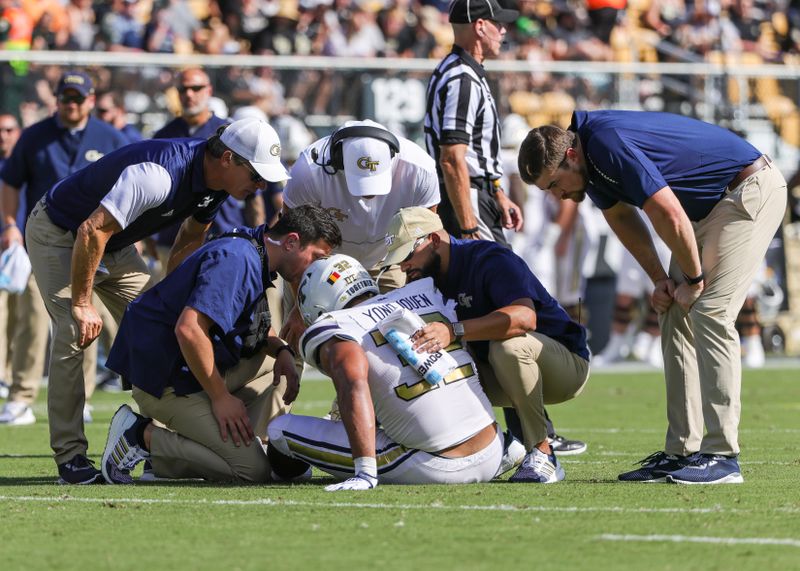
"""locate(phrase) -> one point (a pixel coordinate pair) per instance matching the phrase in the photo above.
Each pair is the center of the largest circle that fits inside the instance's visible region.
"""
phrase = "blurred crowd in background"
(749, 31)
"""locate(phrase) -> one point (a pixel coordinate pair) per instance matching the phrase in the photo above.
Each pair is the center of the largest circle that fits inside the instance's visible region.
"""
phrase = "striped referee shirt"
(461, 110)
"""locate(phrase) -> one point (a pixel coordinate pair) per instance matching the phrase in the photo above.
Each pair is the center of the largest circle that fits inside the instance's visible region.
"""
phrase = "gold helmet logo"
(367, 164)
(275, 150)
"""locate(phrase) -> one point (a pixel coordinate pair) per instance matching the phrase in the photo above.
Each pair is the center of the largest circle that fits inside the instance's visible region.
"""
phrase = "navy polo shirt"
(222, 280)
(179, 128)
(71, 201)
(630, 155)
(230, 213)
(131, 133)
(484, 276)
(47, 152)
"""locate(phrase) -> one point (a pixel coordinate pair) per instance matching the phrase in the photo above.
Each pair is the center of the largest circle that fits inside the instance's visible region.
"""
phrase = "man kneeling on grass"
(434, 429)
(203, 359)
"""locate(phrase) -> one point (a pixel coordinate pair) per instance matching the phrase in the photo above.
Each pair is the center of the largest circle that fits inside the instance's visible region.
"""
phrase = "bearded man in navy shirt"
(528, 350)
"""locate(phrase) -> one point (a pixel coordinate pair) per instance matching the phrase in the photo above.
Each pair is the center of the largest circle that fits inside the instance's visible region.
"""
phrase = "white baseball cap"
(367, 163)
(257, 142)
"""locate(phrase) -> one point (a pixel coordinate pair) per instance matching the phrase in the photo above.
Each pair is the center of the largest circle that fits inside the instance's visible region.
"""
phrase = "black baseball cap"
(468, 11)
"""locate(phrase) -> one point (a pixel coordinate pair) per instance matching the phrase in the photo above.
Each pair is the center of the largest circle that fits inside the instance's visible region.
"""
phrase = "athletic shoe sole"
(572, 452)
(735, 478)
(97, 479)
(661, 480)
(119, 424)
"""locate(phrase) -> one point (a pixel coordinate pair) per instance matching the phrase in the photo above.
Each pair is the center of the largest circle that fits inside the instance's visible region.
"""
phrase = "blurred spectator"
(603, 15)
(110, 107)
(355, 33)
(171, 28)
(122, 30)
(82, 25)
(664, 16)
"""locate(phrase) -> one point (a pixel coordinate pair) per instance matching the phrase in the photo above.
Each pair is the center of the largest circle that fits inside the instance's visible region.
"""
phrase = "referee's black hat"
(468, 11)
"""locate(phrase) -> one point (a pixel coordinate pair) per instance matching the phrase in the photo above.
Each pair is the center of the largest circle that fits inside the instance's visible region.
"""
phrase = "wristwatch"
(458, 330)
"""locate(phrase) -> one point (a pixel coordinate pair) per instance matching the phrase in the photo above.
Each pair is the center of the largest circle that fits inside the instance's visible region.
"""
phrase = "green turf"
(569, 525)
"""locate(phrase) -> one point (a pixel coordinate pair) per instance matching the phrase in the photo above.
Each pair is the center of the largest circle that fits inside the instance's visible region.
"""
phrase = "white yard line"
(268, 502)
(701, 539)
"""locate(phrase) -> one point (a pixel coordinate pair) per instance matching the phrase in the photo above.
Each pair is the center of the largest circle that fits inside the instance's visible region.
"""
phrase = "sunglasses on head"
(71, 98)
(192, 88)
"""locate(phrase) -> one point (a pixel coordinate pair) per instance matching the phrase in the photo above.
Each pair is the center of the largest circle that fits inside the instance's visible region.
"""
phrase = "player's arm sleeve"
(462, 101)
(323, 329)
(139, 188)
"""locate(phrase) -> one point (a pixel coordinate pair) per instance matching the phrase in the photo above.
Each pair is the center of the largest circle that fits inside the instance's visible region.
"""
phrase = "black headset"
(336, 160)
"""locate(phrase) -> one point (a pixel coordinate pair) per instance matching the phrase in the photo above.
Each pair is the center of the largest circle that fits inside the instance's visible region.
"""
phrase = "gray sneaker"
(539, 468)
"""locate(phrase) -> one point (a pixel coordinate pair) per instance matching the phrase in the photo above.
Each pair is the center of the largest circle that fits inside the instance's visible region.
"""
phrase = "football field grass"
(589, 521)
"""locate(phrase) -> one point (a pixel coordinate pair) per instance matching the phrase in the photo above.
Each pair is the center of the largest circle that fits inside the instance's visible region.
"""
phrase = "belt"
(480, 183)
(749, 171)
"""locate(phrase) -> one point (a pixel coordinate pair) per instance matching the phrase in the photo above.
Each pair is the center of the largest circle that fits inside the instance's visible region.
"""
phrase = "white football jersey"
(363, 222)
(412, 412)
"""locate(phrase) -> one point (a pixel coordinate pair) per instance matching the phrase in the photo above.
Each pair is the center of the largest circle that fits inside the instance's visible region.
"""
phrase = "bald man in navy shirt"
(717, 202)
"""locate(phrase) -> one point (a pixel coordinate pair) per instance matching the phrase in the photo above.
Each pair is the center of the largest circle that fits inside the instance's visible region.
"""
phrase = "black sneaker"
(563, 447)
(79, 470)
(655, 468)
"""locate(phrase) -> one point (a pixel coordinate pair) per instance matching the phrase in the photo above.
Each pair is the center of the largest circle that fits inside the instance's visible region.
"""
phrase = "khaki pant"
(125, 277)
(528, 372)
(702, 361)
(193, 447)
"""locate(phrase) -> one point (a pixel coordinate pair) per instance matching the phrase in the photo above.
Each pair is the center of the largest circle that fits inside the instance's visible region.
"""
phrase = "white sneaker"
(616, 350)
(87, 413)
(753, 352)
(539, 468)
(641, 346)
(513, 454)
(17, 413)
(655, 357)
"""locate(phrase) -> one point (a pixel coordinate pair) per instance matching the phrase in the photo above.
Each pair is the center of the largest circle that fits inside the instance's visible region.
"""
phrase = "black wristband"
(694, 281)
(285, 348)
(469, 231)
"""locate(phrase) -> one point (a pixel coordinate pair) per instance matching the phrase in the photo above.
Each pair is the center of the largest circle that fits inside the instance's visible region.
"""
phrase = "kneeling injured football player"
(436, 424)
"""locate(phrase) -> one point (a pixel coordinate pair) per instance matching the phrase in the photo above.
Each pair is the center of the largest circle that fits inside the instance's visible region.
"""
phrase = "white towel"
(15, 269)
(397, 328)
